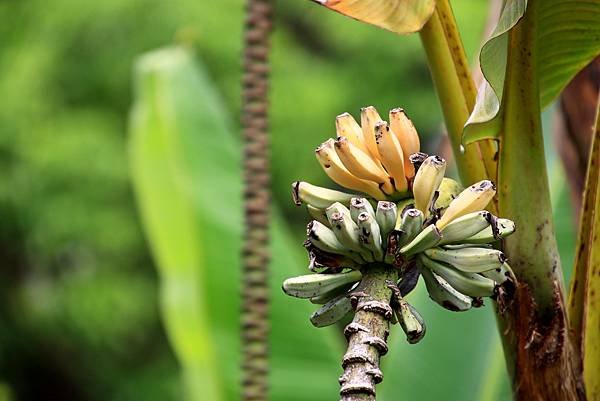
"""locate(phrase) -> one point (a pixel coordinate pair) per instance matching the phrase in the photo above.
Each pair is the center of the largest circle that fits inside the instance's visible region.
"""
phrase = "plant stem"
(539, 353)
(367, 334)
(456, 90)
(584, 313)
(255, 253)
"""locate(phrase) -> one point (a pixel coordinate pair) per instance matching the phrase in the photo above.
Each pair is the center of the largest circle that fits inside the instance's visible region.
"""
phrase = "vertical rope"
(255, 254)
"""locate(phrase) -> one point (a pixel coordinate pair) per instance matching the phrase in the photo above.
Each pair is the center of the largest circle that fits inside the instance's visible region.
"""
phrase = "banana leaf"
(568, 38)
(187, 176)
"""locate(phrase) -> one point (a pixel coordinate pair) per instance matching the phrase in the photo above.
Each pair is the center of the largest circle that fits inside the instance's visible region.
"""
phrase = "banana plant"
(496, 134)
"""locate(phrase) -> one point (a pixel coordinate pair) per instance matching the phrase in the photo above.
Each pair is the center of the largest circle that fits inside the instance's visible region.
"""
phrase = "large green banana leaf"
(186, 170)
(568, 38)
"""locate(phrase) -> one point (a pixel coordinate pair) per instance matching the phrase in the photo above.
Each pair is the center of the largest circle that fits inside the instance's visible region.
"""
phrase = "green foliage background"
(79, 315)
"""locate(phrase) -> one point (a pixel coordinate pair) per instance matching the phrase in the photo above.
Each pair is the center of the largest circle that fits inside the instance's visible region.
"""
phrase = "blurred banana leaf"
(568, 38)
(187, 175)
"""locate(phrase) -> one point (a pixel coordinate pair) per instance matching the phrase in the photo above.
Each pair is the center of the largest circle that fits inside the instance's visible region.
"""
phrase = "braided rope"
(255, 255)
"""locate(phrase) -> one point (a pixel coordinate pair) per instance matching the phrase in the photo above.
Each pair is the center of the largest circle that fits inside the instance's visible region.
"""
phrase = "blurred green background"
(79, 304)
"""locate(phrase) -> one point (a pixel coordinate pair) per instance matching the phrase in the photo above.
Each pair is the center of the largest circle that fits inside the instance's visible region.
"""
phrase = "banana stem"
(540, 356)
(367, 334)
(456, 89)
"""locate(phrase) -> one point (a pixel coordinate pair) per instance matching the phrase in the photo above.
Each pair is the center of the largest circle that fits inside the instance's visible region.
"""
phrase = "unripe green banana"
(359, 205)
(323, 299)
(448, 190)
(369, 235)
(386, 217)
(487, 235)
(429, 237)
(474, 198)
(465, 226)
(471, 284)
(501, 274)
(318, 197)
(313, 285)
(462, 246)
(345, 229)
(427, 181)
(319, 259)
(325, 239)
(471, 260)
(410, 224)
(317, 214)
(411, 321)
(443, 294)
(331, 312)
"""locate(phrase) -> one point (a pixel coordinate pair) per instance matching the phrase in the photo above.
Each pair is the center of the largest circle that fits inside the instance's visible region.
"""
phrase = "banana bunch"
(437, 230)
(373, 157)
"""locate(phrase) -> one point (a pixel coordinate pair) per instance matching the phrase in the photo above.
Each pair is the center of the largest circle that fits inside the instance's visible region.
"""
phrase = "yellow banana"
(408, 137)
(368, 119)
(361, 165)
(391, 155)
(346, 125)
(474, 198)
(335, 169)
(427, 181)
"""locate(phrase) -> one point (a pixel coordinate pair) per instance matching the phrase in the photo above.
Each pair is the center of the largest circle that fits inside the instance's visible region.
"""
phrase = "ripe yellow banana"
(335, 169)
(427, 181)
(361, 165)
(368, 119)
(408, 137)
(391, 155)
(474, 198)
(346, 126)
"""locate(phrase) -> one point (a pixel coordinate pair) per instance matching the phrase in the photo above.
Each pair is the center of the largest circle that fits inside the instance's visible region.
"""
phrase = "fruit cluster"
(416, 220)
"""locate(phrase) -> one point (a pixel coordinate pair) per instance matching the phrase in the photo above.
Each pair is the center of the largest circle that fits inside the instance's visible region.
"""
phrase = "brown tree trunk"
(573, 128)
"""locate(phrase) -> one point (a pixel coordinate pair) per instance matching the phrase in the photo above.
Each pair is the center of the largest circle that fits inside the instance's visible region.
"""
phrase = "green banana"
(317, 214)
(411, 321)
(346, 230)
(443, 294)
(313, 285)
(461, 246)
(501, 274)
(427, 181)
(359, 205)
(410, 225)
(470, 284)
(448, 190)
(470, 260)
(331, 312)
(324, 298)
(318, 197)
(429, 237)
(465, 226)
(369, 235)
(505, 228)
(386, 217)
(323, 238)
